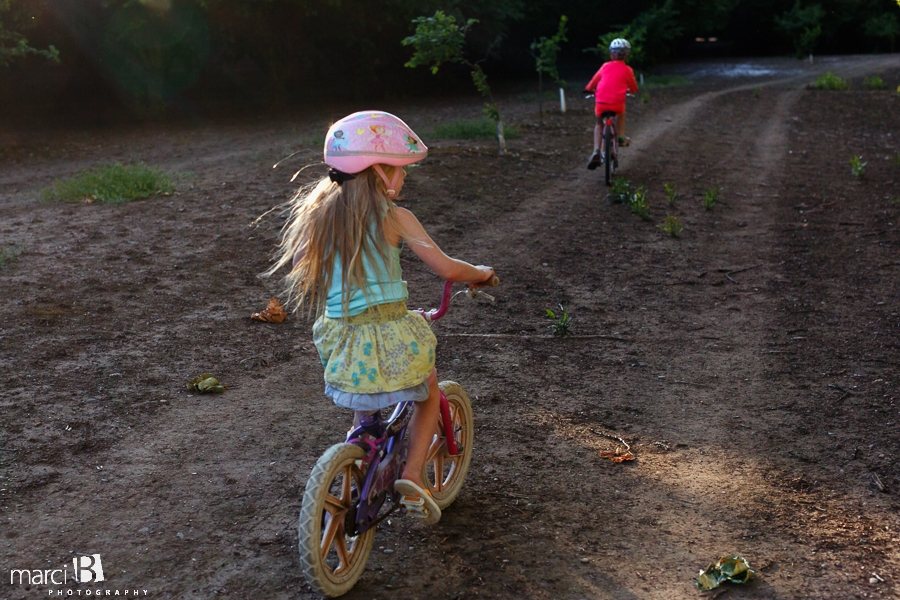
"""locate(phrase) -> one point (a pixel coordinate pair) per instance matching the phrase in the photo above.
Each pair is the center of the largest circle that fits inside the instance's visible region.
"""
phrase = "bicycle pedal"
(412, 502)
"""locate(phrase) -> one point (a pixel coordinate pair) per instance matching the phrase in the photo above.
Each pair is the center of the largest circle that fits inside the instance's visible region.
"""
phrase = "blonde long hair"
(327, 218)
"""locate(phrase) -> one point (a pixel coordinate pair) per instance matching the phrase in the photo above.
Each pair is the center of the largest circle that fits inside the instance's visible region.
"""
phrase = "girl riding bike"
(610, 85)
(343, 242)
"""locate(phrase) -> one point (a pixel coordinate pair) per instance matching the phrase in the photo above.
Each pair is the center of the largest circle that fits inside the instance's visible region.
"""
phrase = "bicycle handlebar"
(435, 314)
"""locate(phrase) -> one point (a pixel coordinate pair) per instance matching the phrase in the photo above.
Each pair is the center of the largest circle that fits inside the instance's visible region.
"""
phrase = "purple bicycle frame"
(387, 452)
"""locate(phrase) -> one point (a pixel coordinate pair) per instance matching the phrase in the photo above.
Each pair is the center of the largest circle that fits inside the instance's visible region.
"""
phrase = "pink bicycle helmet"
(370, 139)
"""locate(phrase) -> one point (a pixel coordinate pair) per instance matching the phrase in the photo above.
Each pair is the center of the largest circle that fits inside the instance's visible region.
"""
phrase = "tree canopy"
(286, 50)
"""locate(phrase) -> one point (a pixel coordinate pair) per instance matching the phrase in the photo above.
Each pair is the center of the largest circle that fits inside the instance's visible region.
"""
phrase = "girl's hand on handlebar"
(488, 273)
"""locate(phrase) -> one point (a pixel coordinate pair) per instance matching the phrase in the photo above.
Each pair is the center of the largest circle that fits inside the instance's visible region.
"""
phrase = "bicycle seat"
(607, 113)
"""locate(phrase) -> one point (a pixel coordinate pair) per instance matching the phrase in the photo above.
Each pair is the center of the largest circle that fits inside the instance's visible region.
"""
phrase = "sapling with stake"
(439, 40)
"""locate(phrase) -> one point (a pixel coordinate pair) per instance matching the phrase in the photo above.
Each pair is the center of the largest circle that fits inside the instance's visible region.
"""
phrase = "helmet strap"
(389, 184)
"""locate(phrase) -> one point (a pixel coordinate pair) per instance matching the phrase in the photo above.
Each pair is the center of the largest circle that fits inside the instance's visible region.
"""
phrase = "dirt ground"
(753, 364)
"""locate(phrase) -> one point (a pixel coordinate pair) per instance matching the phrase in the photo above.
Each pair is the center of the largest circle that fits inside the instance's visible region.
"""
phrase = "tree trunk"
(500, 138)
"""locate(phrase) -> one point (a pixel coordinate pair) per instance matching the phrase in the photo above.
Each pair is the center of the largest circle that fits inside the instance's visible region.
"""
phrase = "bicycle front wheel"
(332, 557)
(445, 473)
(609, 143)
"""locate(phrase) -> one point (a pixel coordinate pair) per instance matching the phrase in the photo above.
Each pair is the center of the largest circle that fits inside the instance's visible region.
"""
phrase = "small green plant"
(637, 202)
(111, 184)
(7, 256)
(672, 226)
(757, 92)
(874, 83)
(671, 194)
(830, 81)
(711, 197)
(896, 160)
(619, 191)
(645, 97)
(858, 167)
(895, 201)
(560, 323)
(465, 129)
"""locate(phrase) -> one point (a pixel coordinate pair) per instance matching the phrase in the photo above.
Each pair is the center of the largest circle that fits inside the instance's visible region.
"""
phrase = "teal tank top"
(384, 282)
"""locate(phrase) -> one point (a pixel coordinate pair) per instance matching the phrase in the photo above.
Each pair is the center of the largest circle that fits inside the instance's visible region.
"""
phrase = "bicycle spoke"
(334, 505)
(341, 547)
(439, 472)
(328, 536)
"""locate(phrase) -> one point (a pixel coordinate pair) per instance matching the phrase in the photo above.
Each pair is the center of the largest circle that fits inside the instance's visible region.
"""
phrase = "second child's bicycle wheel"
(609, 144)
(444, 474)
(332, 557)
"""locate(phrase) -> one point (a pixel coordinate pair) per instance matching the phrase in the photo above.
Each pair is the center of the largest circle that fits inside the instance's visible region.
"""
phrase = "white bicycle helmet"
(619, 48)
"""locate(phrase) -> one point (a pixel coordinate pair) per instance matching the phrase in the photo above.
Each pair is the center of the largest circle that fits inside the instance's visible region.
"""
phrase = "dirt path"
(713, 355)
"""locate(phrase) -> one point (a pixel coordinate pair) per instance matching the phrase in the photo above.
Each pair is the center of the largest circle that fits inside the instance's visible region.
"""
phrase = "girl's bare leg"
(421, 431)
(597, 132)
(620, 124)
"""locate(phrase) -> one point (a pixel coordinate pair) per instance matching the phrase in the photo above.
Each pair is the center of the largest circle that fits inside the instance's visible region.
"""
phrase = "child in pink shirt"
(610, 84)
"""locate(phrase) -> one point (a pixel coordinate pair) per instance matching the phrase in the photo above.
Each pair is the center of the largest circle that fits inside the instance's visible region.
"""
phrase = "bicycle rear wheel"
(332, 557)
(444, 474)
(609, 143)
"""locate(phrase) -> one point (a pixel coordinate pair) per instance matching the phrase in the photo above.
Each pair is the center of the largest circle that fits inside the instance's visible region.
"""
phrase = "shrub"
(830, 81)
(874, 83)
(111, 184)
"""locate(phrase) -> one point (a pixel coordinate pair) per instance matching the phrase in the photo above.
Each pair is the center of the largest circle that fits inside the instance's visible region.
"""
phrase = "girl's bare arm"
(445, 266)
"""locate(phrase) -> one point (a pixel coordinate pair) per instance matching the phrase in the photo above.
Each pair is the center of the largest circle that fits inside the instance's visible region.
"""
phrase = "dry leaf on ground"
(274, 312)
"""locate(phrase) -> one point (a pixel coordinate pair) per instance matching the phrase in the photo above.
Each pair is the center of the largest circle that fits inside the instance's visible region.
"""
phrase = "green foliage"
(8, 256)
(803, 25)
(632, 196)
(560, 323)
(672, 226)
(650, 35)
(886, 26)
(711, 197)
(111, 184)
(546, 49)
(619, 191)
(466, 129)
(895, 201)
(858, 167)
(637, 202)
(874, 83)
(757, 92)
(652, 82)
(896, 160)
(16, 17)
(439, 40)
(153, 54)
(645, 98)
(830, 81)
(671, 194)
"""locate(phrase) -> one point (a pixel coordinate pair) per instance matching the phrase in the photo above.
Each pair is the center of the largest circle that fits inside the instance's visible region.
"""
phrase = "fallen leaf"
(206, 383)
(274, 312)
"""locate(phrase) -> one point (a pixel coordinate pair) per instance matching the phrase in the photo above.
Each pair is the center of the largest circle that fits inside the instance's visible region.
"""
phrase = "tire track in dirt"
(677, 496)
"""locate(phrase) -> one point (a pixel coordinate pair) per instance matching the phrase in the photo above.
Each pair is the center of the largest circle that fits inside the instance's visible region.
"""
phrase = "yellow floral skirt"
(384, 349)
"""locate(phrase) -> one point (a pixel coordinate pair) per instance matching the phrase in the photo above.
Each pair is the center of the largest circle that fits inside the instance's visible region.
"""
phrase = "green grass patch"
(830, 81)
(111, 184)
(655, 82)
(467, 129)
